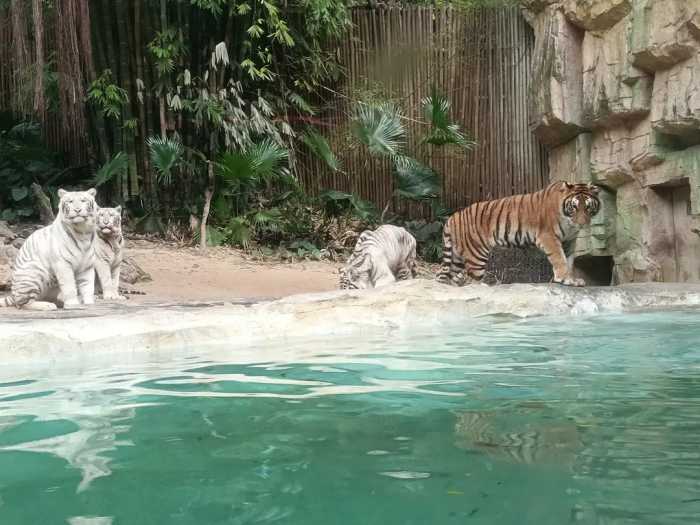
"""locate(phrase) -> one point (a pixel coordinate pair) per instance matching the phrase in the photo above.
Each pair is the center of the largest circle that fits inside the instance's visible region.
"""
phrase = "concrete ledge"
(28, 336)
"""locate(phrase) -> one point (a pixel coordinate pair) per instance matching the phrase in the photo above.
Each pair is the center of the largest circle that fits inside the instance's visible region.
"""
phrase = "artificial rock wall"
(615, 96)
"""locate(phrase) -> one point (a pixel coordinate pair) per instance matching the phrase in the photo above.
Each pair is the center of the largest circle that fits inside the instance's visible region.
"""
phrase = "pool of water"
(498, 421)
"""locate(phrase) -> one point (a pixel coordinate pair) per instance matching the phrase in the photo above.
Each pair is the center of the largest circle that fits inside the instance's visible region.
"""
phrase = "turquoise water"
(581, 420)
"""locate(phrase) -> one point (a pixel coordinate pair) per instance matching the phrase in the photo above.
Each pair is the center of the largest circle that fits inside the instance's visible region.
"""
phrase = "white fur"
(56, 263)
(109, 252)
(381, 257)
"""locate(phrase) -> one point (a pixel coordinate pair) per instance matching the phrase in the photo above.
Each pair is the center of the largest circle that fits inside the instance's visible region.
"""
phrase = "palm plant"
(165, 155)
(115, 167)
(436, 109)
(256, 170)
(318, 145)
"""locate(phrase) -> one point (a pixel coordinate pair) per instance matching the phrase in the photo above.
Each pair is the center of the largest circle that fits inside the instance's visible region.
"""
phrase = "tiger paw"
(113, 297)
(570, 281)
(73, 304)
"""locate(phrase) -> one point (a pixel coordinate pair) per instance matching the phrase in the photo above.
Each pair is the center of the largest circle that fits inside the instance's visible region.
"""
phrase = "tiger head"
(77, 209)
(356, 274)
(109, 222)
(580, 203)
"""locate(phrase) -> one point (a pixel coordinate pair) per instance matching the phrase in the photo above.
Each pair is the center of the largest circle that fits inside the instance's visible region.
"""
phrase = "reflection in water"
(98, 415)
(541, 442)
(524, 422)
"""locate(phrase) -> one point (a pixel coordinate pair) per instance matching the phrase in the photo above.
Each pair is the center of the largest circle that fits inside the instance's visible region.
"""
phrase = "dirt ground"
(183, 274)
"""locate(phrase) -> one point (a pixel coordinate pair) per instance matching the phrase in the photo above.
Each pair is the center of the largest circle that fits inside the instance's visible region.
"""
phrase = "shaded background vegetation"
(196, 113)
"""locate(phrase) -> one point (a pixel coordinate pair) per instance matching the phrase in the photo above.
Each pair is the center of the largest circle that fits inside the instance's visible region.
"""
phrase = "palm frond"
(319, 146)
(114, 167)
(267, 158)
(417, 182)
(165, 155)
(436, 109)
(379, 127)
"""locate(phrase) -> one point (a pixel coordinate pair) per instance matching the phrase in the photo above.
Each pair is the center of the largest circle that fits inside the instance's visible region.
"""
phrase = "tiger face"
(581, 202)
(109, 221)
(77, 209)
(355, 277)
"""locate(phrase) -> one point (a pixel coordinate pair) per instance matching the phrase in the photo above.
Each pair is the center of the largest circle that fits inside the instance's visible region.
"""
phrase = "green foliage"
(114, 168)
(319, 146)
(416, 182)
(106, 96)
(23, 160)
(436, 109)
(165, 49)
(338, 202)
(379, 127)
(165, 155)
(428, 237)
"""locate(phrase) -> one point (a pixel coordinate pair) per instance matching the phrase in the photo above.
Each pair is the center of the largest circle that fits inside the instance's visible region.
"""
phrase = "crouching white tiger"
(381, 257)
(56, 263)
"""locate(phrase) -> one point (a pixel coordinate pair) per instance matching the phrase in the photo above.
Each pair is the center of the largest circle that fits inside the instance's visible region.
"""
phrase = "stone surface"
(6, 234)
(556, 89)
(614, 91)
(571, 162)
(610, 164)
(596, 15)
(641, 105)
(676, 101)
(664, 33)
(61, 336)
(7, 256)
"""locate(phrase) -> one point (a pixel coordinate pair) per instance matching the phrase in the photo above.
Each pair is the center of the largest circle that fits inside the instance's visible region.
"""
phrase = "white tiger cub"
(56, 262)
(381, 257)
(109, 252)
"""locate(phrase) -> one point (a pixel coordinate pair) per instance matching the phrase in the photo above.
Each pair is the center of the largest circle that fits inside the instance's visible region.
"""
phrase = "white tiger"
(56, 262)
(381, 257)
(109, 248)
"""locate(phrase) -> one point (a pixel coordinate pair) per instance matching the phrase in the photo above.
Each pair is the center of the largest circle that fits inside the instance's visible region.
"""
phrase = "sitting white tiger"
(381, 257)
(109, 249)
(56, 263)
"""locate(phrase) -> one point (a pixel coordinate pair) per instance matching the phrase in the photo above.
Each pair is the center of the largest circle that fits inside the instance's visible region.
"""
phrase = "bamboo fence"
(480, 59)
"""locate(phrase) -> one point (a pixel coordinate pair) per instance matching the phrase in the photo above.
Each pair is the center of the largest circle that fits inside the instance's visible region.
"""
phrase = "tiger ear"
(118, 209)
(565, 186)
(61, 193)
(92, 192)
(595, 190)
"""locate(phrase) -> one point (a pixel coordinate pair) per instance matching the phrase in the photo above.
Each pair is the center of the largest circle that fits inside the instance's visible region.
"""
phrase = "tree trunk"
(208, 194)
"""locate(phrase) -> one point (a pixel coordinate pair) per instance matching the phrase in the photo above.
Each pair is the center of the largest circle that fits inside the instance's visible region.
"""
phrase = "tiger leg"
(67, 286)
(554, 251)
(452, 267)
(85, 283)
(24, 294)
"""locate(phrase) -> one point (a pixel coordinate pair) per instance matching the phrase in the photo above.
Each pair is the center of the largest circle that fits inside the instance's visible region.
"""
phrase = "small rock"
(6, 234)
(7, 256)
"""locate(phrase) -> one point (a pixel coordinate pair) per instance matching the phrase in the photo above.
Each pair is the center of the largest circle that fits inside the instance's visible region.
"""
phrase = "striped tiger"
(109, 248)
(56, 262)
(381, 257)
(549, 219)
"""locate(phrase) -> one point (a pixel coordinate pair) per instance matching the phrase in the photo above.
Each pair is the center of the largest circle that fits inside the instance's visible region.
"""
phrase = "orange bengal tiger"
(549, 219)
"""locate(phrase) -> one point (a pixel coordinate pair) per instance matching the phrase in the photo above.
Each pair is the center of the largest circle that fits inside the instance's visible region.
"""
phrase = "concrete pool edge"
(421, 303)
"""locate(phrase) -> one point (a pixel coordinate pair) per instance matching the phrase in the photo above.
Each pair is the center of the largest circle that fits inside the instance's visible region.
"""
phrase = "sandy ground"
(183, 274)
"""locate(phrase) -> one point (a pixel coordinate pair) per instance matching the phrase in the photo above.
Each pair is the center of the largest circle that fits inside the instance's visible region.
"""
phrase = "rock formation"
(615, 95)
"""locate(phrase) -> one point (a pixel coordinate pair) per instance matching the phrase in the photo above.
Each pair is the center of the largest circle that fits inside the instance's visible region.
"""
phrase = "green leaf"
(165, 155)
(319, 146)
(113, 168)
(416, 182)
(19, 193)
(436, 109)
(8, 215)
(379, 127)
